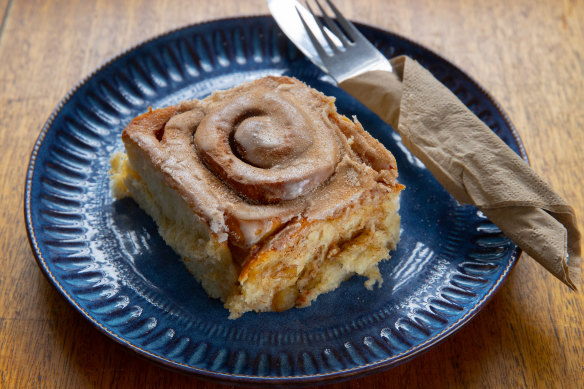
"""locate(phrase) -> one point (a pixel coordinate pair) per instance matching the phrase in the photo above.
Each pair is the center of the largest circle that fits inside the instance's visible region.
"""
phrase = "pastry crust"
(270, 196)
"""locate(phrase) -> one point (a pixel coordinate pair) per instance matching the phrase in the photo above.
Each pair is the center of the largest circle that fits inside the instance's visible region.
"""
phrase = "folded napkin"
(473, 163)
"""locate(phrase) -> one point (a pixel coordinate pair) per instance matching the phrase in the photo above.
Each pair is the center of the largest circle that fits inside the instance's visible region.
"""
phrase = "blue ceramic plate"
(107, 259)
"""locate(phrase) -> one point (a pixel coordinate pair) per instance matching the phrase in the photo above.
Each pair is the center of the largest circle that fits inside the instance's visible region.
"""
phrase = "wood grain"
(529, 54)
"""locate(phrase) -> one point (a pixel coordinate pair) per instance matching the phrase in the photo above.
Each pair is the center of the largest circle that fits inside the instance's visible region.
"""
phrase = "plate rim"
(248, 379)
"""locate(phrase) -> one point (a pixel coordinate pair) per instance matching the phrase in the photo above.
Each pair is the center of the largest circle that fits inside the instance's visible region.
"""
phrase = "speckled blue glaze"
(109, 262)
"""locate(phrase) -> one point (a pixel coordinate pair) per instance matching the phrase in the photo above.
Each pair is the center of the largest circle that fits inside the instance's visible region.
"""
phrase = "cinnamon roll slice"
(270, 196)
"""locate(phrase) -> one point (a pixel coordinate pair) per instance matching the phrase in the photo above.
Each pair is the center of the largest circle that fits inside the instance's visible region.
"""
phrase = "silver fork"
(348, 53)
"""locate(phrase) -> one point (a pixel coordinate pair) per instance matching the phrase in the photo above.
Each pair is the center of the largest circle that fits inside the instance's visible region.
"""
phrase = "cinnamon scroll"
(252, 172)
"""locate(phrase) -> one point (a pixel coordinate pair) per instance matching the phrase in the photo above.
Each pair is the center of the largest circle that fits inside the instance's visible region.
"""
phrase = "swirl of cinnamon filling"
(266, 146)
(273, 138)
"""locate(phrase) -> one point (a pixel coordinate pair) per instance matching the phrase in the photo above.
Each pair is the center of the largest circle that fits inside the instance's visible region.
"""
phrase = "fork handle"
(383, 90)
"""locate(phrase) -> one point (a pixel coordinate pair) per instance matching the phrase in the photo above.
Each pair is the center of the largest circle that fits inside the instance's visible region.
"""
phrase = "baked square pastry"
(268, 194)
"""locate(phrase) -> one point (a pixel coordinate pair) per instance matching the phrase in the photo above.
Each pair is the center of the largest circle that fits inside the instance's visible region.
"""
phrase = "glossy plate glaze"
(109, 262)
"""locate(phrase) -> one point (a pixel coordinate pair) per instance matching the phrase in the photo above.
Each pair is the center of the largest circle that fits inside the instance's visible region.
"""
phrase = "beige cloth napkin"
(473, 163)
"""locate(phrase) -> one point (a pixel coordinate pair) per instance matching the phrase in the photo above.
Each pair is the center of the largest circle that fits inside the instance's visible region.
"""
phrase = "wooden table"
(528, 53)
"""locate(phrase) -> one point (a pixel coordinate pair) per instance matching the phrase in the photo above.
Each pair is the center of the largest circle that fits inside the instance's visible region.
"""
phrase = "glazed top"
(256, 157)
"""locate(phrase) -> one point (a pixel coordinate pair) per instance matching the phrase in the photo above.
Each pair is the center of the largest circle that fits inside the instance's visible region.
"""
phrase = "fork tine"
(330, 42)
(349, 28)
(317, 46)
(331, 25)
